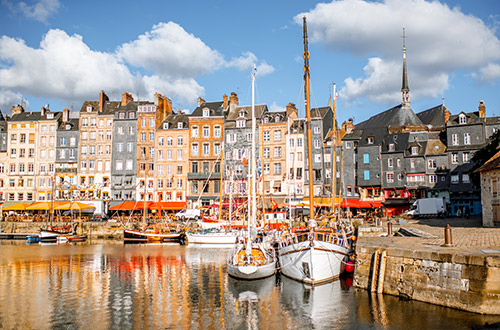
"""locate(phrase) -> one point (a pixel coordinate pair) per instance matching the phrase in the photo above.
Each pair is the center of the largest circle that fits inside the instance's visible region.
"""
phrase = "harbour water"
(109, 285)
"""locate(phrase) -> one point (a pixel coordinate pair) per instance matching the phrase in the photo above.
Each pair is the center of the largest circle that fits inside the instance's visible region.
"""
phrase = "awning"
(15, 207)
(167, 206)
(358, 204)
(320, 201)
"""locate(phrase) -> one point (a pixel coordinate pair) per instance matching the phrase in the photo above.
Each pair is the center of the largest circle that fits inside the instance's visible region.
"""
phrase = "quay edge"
(93, 230)
(461, 278)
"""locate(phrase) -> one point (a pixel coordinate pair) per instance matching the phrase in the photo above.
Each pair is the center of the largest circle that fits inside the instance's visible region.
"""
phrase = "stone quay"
(460, 271)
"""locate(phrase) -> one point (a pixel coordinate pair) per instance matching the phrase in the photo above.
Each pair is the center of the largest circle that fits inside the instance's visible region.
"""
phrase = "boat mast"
(52, 202)
(220, 185)
(308, 123)
(252, 167)
(334, 149)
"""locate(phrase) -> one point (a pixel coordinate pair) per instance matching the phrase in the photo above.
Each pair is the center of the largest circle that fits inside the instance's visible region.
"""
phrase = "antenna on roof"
(442, 101)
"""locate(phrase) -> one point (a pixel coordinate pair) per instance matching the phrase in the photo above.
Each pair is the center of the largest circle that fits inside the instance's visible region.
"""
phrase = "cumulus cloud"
(435, 51)
(39, 11)
(9, 98)
(276, 108)
(166, 59)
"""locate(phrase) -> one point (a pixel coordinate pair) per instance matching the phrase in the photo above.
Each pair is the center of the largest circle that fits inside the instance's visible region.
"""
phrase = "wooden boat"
(71, 238)
(313, 255)
(153, 234)
(50, 233)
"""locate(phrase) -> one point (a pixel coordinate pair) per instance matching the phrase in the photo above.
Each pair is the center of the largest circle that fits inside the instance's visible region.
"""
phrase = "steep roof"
(173, 119)
(216, 109)
(435, 117)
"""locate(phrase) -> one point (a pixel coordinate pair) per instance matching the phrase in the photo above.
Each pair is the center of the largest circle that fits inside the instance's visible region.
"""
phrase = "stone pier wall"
(464, 280)
(94, 230)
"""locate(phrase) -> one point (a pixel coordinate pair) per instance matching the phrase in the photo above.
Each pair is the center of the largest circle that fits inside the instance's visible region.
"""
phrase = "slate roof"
(173, 119)
(232, 116)
(435, 117)
(109, 106)
(272, 116)
(400, 141)
(216, 109)
(297, 126)
(73, 124)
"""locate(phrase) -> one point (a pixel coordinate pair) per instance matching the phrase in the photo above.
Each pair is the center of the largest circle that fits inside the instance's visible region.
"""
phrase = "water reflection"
(177, 287)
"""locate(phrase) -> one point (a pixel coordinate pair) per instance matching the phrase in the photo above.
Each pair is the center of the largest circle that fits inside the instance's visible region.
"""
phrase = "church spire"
(405, 90)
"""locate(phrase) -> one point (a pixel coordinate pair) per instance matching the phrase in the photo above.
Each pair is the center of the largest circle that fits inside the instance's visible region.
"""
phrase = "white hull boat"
(222, 238)
(312, 261)
(259, 263)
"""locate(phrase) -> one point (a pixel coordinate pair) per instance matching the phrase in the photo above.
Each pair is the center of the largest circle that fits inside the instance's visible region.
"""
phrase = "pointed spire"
(405, 90)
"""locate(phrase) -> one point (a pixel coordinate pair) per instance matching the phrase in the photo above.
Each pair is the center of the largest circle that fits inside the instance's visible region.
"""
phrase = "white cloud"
(441, 41)
(39, 11)
(9, 99)
(167, 59)
(276, 108)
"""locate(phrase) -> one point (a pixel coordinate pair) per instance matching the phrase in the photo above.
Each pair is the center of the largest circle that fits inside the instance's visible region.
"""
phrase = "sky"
(60, 53)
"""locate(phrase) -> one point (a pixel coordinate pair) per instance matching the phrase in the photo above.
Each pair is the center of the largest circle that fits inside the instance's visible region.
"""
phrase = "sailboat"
(51, 233)
(252, 258)
(312, 255)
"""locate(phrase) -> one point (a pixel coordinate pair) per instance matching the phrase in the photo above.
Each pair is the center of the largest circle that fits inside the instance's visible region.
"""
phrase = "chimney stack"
(292, 110)
(43, 111)
(179, 112)
(348, 126)
(233, 101)
(103, 98)
(126, 98)
(65, 116)
(482, 109)
(446, 115)
(225, 101)
(200, 101)
(16, 109)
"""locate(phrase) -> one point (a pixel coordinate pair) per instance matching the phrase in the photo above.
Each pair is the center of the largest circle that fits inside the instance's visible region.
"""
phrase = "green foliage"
(482, 155)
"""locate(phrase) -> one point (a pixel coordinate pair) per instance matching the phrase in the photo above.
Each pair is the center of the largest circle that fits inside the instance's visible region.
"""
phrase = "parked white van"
(188, 214)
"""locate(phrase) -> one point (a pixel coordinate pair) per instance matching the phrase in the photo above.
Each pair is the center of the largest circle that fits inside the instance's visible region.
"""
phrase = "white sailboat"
(252, 258)
(313, 255)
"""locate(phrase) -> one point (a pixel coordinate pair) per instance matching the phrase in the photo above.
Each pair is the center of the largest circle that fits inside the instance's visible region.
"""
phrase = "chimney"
(103, 98)
(43, 111)
(65, 116)
(233, 101)
(225, 101)
(291, 109)
(348, 126)
(126, 98)
(16, 109)
(179, 112)
(482, 109)
(200, 101)
(446, 115)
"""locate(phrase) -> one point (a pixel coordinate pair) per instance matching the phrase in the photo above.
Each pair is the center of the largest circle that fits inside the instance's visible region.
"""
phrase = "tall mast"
(334, 147)
(252, 167)
(308, 123)
(221, 167)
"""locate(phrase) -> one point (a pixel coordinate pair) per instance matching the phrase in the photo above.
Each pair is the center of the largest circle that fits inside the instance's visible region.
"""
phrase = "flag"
(274, 205)
(244, 161)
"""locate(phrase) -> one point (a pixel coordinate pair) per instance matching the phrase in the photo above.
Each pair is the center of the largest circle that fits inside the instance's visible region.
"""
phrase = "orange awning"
(167, 206)
(358, 204)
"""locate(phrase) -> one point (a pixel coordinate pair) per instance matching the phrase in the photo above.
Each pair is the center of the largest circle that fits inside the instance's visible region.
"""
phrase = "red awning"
(131, 206)
(167, 206)
(357, 204)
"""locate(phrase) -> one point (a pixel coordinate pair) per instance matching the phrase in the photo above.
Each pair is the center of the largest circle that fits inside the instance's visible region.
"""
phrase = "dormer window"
(462, 119)
(179, 125)
(68, 126)
(392, 147)
(370, 139)
(242, 114)
(277, 119)
(165, 125)
(206, 112)
(131, 115)
(266, 120)
(50, 116)
(414, 150)
(89, 108)
(240, 123)
(121, 115)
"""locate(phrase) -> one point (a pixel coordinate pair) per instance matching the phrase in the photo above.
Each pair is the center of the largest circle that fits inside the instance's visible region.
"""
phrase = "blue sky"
(64, 52)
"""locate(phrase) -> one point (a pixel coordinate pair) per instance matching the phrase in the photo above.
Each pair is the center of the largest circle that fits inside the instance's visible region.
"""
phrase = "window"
(390, 177)
(194, 131)
(432, 178)
(266, 136)
(179, 154)
(194, 167)
(317, 158)
(206, 112)
(454, 158)
(367, 175)
(216, 149)
(466, 138)
(194, 149)
(179, 169)
(462, 119)
(266, 169)
(414, 150)
(494, 190)
(169, 154)
(317, 144)
(431, 163)
(277, 152)
(465, 178)
(170, 141)
(277, 135)
(299, 142)
(128, 166)
(180, 125)
(277, 169)
(240, 123)
(299, 156)
(206, 131)
(370, 140)
(366, 158)
(454, 139)
(392, 147)
(390, 163)
(466, 157)
(151, 122)
(194, 187)
(267, 152)
(160, 154)
(180, 141)
(316, 130)
(454, 178)
(206, 149)
(412, 163)
(151, 136)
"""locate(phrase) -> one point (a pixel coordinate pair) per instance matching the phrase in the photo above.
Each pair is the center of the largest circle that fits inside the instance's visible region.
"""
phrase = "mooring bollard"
(389, 228)
(448, 241)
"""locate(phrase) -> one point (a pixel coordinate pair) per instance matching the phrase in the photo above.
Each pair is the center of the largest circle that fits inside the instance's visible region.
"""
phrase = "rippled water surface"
(116, 286)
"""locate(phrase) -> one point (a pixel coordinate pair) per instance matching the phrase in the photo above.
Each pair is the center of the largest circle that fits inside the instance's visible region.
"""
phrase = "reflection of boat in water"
(212, 237)
(320, 307)
(257, 289)
(71, 238)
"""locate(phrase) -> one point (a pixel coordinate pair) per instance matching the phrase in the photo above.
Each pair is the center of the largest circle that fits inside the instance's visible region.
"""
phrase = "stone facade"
(490, 191)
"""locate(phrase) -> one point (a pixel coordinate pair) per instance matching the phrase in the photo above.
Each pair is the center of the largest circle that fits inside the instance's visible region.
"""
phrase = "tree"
(482, 155)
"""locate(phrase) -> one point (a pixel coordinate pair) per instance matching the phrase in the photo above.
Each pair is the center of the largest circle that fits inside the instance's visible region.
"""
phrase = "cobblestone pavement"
(465, 232)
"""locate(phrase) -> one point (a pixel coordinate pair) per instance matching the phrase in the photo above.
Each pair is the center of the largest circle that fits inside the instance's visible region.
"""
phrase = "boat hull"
(71, 238)
(140, 236)
(50, 235)
(252, 272)
(212, 238)
(312, 262)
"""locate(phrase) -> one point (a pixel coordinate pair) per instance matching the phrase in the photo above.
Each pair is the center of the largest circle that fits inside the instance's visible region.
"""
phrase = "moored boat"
(152, 235)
